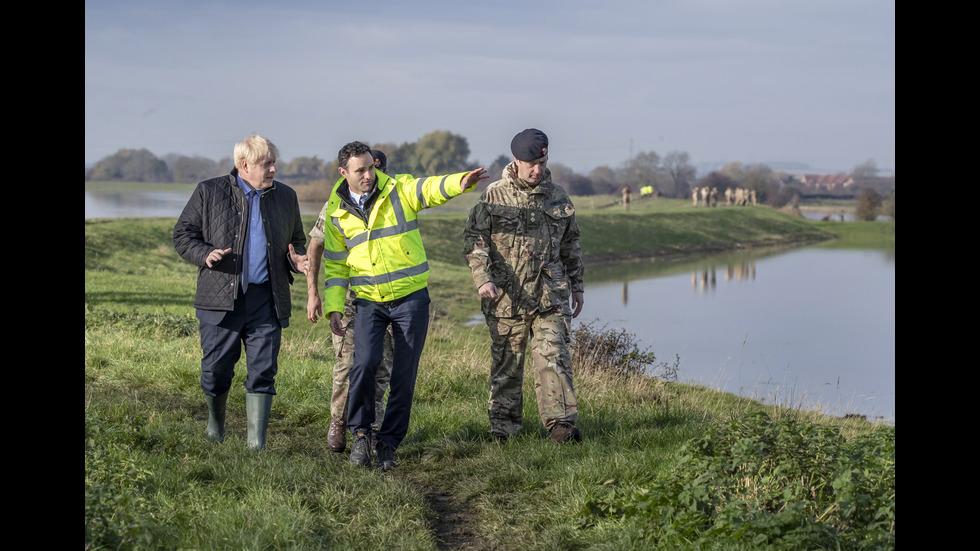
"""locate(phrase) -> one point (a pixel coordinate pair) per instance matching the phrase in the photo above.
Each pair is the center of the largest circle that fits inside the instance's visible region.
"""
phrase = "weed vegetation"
(663, 465)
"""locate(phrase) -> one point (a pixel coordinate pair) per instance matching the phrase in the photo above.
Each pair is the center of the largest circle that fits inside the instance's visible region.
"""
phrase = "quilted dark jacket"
(215, 217)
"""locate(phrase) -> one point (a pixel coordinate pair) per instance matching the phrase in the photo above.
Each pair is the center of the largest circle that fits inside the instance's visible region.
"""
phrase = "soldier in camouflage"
(521, 242)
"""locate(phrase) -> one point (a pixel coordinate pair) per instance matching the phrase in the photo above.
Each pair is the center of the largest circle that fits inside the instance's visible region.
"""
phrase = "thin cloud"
(753, 81)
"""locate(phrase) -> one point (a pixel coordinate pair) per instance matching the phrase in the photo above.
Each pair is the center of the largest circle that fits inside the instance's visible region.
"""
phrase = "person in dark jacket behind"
(244, 233)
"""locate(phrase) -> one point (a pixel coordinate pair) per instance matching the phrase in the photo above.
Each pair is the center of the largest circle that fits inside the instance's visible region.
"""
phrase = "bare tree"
(576, 184)
(762, 179)
(734, 171)
(679, 174)
(194, 169)
(302, 169)
(560, 172)
(642, 170)
(603, 180)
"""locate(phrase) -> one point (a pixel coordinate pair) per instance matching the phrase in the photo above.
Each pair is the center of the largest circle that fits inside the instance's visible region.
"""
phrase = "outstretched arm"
(472, 178)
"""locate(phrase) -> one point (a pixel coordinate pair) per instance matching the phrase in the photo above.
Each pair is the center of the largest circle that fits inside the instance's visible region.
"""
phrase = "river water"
(146, 204)
(808, 327)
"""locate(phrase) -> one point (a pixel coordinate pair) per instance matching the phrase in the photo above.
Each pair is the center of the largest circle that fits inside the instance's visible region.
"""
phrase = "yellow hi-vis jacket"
(381, 259)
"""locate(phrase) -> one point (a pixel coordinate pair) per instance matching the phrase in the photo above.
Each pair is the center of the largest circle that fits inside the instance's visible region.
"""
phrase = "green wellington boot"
(216, 417)
(257, 409)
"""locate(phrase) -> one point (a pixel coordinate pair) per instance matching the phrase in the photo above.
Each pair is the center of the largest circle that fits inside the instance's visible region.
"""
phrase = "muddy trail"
(455, 523)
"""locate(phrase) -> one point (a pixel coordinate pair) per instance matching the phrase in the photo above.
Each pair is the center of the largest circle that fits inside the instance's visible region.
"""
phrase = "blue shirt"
(359, 200)
(256, 267)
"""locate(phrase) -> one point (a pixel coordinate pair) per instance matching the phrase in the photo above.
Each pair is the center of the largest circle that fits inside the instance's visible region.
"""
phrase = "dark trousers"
(253, 324)
(409, 320)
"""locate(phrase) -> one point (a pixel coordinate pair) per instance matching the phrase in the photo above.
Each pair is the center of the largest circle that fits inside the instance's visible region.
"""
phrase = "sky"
(754, 81)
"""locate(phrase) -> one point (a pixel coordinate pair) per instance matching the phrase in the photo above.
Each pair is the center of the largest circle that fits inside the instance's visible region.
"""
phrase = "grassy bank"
(663, 464)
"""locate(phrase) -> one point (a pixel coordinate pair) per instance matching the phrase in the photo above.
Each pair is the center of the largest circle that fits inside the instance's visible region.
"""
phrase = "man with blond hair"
(243, 232)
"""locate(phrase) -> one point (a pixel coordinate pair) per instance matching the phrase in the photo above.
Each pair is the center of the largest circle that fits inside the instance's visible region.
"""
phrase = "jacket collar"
(342, 190)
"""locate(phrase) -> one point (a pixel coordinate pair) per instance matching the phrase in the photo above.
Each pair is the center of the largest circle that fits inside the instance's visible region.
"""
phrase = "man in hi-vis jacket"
(372, 245)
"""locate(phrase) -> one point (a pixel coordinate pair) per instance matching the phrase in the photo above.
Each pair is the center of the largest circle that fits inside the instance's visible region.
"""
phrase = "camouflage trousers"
(344, 349)
(548, 336)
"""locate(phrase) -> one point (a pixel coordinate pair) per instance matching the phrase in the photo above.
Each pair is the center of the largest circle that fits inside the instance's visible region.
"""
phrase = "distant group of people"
(646, 192)
(737, 196)
(244, 233)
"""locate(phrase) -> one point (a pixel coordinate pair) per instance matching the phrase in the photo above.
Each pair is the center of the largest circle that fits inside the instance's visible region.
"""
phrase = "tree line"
(442, 152)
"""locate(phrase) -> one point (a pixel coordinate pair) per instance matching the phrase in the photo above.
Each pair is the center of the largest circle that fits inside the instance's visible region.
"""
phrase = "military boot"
(257, 410)
(337, 435)
(216, 417)
(565, 432)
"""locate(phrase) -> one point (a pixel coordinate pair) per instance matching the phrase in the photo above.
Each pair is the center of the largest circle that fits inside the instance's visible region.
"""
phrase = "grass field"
(663, 465)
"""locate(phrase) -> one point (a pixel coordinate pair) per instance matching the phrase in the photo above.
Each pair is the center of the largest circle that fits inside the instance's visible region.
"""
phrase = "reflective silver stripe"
(335, 220)
(401, 226)
(419, 194)
(442, 187)
(334, 255)
(356, 240)
(388, 232)
(391, 276)
(396, 206)
(336, 282)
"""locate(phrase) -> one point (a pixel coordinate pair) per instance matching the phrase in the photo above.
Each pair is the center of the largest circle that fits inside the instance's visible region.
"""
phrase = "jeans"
(409, 320)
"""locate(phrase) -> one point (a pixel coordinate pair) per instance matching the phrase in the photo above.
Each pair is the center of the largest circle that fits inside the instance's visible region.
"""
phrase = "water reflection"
(129, 204)
(705, 279)
(808, 327)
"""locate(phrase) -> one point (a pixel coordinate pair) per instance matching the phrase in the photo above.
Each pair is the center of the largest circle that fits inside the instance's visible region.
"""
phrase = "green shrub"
(868, 205)
(757, 483)
(611, 351)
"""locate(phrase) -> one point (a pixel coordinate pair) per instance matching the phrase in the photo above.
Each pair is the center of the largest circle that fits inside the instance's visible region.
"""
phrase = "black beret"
(380, 160)
(529, 145)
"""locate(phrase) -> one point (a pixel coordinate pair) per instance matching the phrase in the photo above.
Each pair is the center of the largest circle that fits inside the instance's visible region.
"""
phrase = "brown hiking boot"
(337, 437)
(565, 432)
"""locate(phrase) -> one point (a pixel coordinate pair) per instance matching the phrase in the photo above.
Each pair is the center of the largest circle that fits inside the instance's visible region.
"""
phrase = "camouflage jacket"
(526, 240)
